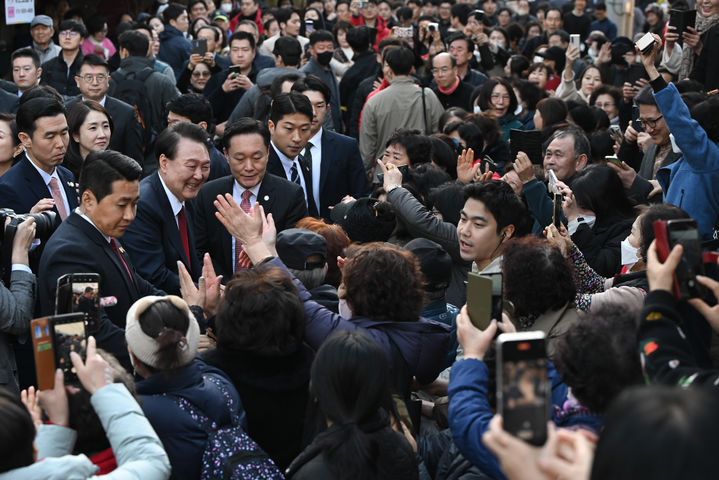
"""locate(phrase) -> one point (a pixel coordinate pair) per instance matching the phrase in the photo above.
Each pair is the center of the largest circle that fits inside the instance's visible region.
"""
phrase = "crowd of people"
(285, 207)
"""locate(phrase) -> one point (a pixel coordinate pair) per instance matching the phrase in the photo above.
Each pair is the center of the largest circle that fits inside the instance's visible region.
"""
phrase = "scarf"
(688, 56)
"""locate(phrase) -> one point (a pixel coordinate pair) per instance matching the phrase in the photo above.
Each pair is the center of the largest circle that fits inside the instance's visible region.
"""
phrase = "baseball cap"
(41, 20)
(434, 261)
(296, 245)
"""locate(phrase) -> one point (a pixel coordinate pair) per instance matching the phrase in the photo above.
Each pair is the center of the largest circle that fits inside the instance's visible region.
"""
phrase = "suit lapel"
(274, 165)
(34, 180)
(163, 203)
(327, 142)
(70, 188)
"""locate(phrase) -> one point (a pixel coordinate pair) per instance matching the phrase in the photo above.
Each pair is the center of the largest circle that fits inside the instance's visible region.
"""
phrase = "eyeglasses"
(68, 33)
(441, 70)
(100, 77)
(647, 122)
(200, 74)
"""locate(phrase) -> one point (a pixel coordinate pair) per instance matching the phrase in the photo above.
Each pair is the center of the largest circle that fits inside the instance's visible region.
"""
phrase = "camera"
(432, 26)
(45, 225)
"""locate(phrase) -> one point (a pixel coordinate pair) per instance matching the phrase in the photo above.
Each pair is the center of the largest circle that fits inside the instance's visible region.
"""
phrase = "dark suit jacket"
(126, 130)
(153, 239)
(8, 102)
(274, 166)
(22, 187)
(280, 197)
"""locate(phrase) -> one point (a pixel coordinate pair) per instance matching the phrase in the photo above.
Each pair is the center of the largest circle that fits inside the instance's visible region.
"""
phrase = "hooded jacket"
(174, 48)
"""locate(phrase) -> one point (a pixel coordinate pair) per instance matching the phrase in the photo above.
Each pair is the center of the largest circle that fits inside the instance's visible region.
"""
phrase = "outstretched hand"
(94, 373)
(466, 169)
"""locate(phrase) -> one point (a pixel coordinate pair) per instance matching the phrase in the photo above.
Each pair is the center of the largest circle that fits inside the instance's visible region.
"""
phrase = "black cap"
(434, 261)
(365, 220)
(296, 245)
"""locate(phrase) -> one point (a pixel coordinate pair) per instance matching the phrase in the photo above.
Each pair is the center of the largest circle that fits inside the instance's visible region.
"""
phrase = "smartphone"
(682, 232)
(574, 40)
(43, 353)
(403, 169)
(405, 32)
(681, 19)
(523, 388)
(235, 70)
(68, 335)
(613, 159)
(309, 26)
(616, 133)
(557, 210)
(80, 293)
(199, 46)
(635, 119)
(497, 292)
(646, 43)
(479, 300)
(362, 4)
(552, 182)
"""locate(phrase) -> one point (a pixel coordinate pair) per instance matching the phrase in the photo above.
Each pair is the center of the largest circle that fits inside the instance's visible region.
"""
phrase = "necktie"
(113, 244)
(246, 206)
(57, 196)
(182, 225)
(294, 175)
(308, 157)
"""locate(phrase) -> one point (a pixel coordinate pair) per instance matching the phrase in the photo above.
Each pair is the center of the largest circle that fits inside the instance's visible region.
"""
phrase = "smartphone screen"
(68, 335)
(479, 300)
(80, 292)
(686, 234)
(199, 46)
(309, 26)
(523, 388)
(497, 301)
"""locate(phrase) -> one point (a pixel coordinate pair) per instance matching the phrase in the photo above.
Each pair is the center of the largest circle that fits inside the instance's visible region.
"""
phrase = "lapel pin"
(267, 197)
(122, 250)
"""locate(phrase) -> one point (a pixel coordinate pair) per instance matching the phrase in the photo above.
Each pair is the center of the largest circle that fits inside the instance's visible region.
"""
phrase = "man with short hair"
(195, 108)
(59, 72)
(157, 64)
(368, 16)
(321, 50)
(552, 22)
(41, 31)
(261, 61)
(290, 126)
(364, 63)
(246, 143)
(26, 69)
(196, 9)
(451, 91)
(402, 104)
(162, 233)
(336, 167)
(461, 48)
(38, 179)
(226, 88)
(577, 21)
(174, 47)
(602, 22)
(93, 81)
(249, 10)
(290, 23)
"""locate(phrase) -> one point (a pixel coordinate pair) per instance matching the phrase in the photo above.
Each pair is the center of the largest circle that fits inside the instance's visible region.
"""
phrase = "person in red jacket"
(368, 16)
(249, 10)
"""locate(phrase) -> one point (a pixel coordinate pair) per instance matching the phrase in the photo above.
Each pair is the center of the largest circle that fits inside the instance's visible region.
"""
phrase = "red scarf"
(451, 89)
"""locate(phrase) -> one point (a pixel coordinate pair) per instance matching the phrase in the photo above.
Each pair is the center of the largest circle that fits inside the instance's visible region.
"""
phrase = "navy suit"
(8, 102)
(22, 187)
(280, 197)
(274, 166)
(126, 129)
(153, 239)
(79, 247)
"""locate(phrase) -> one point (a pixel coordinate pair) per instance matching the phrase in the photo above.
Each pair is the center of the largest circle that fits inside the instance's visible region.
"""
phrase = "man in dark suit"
(162, 231)
(38, 180)
(336, 164)
(87, 242)
(93, 80)
(246, 143)
(290, 128)
(8, 102)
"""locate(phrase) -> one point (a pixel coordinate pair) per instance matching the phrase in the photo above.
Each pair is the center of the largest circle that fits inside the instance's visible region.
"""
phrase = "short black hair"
(173, 11)
(461, 11)
(73, 26)
(705, 113)
(102, 168)
(454, 36)
(285, 13)
(218, 37)
(194, 106)
(581, 142)
(95, 24)
(312, 83)
(322, 36)
(417, 146)
(41, 91)
(400, 60)
(26, 52)
(246, 126)
(135, 43)
(504, 205)
(94, 61)
(242, 36)
(28, 112)
(289, 50)
(360, 38)
(289, 103)
(645, 97)
(562, 34)
(169, 139)
(17, 434)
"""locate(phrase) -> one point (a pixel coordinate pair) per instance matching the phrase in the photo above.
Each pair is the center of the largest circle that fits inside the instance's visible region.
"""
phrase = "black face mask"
(324, 58)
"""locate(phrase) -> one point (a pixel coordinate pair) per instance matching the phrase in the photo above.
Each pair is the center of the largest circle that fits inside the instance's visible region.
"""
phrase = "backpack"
(230, 453)
(131, 90)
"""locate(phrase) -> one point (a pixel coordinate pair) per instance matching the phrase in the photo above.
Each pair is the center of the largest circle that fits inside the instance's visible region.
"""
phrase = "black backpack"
(131, 90)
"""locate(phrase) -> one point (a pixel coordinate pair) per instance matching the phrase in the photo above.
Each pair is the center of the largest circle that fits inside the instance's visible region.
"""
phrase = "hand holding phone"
(676, 266)
(475, 342)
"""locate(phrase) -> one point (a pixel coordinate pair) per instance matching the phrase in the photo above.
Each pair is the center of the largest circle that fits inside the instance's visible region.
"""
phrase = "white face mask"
(630, 254)
(477, 109)
(345, 310)
(225, 7)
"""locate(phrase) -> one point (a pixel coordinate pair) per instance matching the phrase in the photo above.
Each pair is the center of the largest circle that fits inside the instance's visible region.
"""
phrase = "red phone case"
(662, 242)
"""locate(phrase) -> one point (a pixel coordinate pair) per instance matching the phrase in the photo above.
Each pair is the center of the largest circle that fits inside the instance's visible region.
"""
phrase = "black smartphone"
(403, 169)
(497, 300)
(80, 293)
(199, 46)
(523, 388)
(681, 19)
(235, 70)
(682, 232)
(68, 335)
(636, 124)
(479, 300)
(557, 210)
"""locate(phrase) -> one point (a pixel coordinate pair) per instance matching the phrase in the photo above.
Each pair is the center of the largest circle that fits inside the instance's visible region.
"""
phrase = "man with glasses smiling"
(450, 89)
(60, 71)
(93, 80)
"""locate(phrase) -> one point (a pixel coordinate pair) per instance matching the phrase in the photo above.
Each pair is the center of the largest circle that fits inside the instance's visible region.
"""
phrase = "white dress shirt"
(175, 203)
(316, 152)
(287, 165)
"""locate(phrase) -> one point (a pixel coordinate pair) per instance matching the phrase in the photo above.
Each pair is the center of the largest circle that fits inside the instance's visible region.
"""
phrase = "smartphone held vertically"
(80, 293)
(682, 232)
(199, 46)
(574, 40)
(53, 339)
(523, 388)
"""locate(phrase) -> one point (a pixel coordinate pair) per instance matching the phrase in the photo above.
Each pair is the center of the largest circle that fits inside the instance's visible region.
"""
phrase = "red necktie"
(113, 244)
(246, 206)
(182, 225)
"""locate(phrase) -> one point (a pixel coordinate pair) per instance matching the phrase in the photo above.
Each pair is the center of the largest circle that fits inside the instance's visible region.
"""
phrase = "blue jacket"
(183, 438)
(470, 413)
(174, 48)
(692, 182)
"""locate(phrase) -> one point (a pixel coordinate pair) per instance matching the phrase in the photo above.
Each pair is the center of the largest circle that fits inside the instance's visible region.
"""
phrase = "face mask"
(225, 7)
(324, 58)
(629, 254)
(518, 110)
(592, 53)
(344, 309)
(522, 12)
